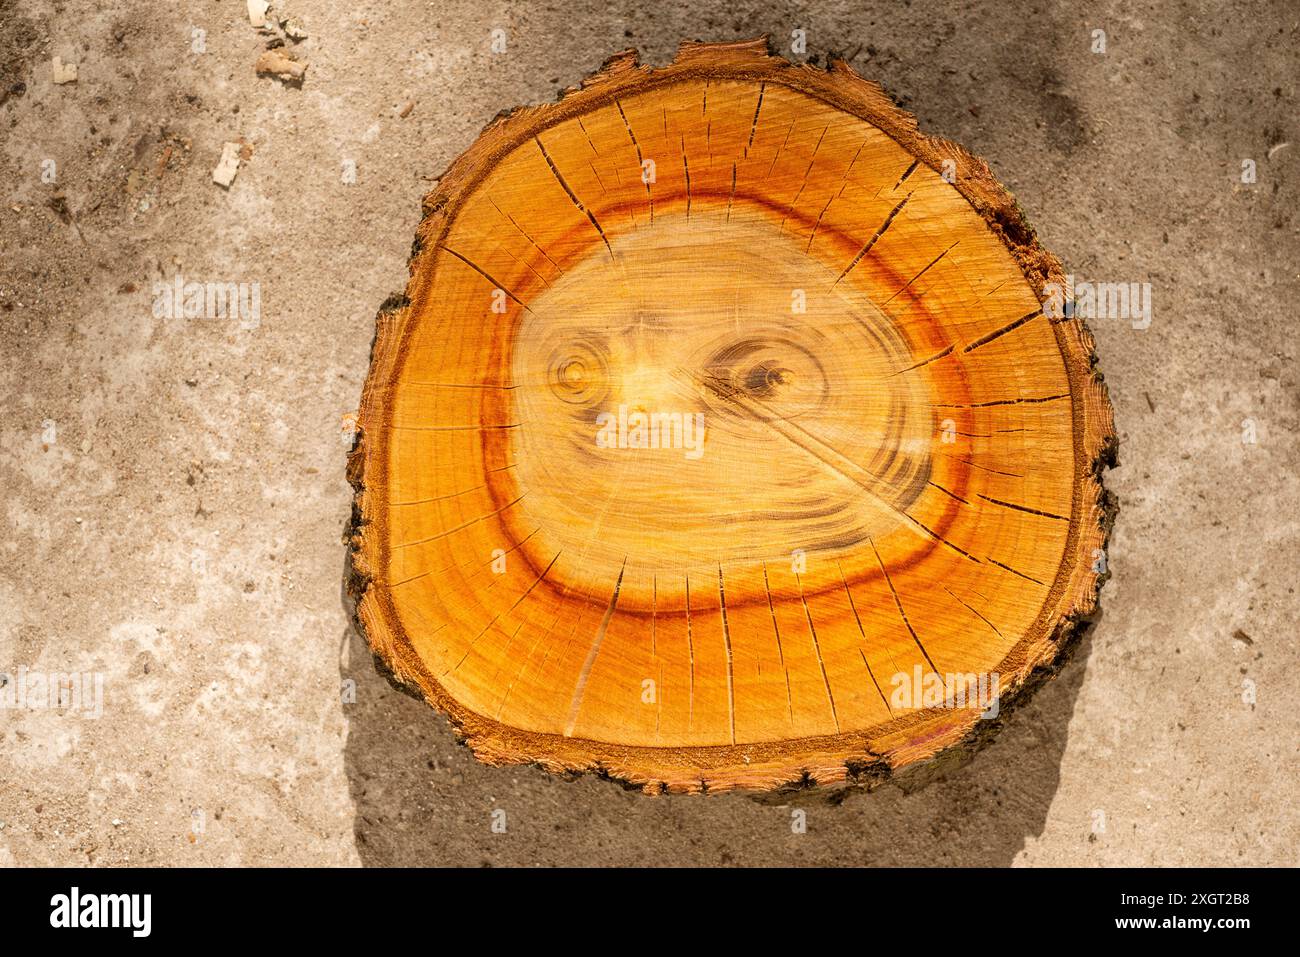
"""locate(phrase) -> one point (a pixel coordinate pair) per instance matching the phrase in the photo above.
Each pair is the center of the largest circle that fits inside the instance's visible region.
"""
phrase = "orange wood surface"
(897, 463)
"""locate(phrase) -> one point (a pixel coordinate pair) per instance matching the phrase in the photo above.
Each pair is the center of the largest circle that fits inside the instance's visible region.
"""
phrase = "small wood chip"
(226, 170)
(281, 65)
(257, 12)
(64, 72)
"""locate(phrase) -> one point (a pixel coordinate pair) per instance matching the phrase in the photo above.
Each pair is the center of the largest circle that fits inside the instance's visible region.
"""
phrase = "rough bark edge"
(856, 758)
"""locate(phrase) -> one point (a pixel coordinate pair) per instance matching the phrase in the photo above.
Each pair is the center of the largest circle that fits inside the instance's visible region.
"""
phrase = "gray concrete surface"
(174, 492)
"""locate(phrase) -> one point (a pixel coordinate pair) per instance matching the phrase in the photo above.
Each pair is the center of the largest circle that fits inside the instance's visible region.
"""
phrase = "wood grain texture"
(897, 470)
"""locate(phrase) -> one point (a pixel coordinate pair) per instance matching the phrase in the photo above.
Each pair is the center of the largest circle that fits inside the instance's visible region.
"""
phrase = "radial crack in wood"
(720, 439)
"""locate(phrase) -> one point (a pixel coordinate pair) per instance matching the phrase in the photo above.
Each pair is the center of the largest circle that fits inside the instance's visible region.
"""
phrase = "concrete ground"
(174, 491)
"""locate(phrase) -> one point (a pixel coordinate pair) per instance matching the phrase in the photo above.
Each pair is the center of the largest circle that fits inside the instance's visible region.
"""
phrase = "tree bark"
(720, 438)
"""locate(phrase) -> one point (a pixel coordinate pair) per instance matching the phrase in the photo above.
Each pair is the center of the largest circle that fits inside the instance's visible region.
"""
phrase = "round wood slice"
(720, 420)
